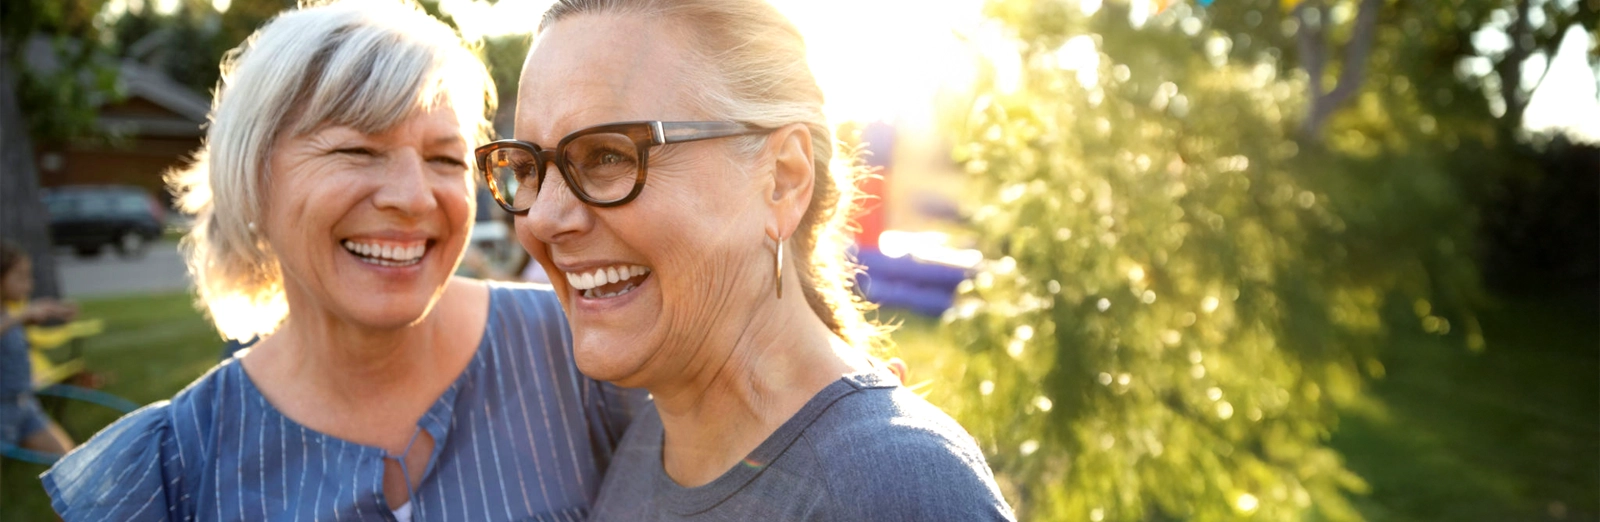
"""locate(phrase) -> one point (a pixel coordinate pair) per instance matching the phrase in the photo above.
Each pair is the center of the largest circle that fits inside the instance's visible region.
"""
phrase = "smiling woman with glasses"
(723, 289)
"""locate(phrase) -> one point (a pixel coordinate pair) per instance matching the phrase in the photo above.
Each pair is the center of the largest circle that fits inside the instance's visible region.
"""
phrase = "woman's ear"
(793, 178)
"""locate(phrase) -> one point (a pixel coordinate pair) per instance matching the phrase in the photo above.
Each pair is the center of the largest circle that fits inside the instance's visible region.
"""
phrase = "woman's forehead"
(594, 69)
(434, 124)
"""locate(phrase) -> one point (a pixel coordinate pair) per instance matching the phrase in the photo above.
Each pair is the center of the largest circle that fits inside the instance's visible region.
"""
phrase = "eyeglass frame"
(644, 134)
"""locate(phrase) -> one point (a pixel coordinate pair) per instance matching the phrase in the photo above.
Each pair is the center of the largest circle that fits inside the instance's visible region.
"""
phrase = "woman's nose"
(555, 212)
(407, 188)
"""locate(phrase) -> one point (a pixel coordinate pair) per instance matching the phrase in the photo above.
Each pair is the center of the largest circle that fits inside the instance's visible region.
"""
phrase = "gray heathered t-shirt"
(863, 448)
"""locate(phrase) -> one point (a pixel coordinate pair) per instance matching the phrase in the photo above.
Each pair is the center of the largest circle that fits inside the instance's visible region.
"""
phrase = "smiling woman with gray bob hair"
(334, 202)
(371, 80)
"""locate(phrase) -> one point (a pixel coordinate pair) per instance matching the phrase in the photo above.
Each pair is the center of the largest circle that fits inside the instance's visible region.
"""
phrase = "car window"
(94, 205)
(130, 205)
(61, 206)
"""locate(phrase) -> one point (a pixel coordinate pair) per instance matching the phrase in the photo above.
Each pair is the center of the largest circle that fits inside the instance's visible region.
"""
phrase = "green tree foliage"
(1184, 285)
(65, 70)
(503, 55)
(189, 42)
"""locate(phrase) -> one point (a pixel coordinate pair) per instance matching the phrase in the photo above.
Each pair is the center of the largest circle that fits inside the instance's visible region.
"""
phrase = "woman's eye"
(523, 170)
(449, 160)
(608, 158)
(355, 151)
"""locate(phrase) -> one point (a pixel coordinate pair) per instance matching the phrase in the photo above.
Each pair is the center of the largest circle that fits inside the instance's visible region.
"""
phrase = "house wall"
(139, 162)
(152, 141)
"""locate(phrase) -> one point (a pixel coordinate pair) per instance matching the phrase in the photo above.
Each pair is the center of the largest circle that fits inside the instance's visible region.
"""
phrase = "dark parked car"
(87, 218)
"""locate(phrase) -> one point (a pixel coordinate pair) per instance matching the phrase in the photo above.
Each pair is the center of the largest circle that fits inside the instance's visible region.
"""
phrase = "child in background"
(22, 422)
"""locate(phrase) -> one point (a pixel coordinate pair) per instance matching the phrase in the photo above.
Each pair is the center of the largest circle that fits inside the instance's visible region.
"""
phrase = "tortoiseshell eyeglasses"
(604, 165)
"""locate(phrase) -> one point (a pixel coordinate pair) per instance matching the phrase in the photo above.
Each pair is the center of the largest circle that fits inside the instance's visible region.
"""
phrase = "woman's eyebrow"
(447, 140)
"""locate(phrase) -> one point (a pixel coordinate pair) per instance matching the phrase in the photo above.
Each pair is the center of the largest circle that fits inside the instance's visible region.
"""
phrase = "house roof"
(151, 84)
(185, 109)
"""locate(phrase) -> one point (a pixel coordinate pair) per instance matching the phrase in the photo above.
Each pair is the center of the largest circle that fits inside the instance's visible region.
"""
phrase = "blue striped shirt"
(520, 435)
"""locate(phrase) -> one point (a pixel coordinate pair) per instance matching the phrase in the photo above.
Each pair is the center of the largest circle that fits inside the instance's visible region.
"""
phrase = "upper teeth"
(606, 275)
(390, 252)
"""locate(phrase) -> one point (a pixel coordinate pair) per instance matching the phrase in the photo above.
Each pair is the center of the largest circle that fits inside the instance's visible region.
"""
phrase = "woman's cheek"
(456, 195)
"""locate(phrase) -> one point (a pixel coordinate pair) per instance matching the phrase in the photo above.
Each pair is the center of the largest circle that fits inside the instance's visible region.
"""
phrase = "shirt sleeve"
(129, 471)
(923, 479)
(919, 465)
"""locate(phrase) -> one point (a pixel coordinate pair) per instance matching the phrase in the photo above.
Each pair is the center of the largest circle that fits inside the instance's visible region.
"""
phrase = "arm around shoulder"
(128, 471)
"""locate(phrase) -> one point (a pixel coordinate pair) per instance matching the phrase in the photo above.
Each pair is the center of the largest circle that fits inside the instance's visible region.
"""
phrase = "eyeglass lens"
(603, 166)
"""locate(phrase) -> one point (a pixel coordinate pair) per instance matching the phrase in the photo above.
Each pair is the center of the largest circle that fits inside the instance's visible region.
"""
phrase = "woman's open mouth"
(387, 253)
(608, 282)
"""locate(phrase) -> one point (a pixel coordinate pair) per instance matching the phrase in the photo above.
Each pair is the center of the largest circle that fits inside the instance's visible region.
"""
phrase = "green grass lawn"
(152, 346)
(1508, 434)
(1511, 433)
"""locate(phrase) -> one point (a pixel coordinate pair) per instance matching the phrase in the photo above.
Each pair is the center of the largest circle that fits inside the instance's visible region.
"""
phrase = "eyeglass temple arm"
(666, 132)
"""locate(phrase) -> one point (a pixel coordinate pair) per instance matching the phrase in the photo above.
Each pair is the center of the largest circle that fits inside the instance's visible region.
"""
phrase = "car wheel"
(86, 251)
(131, 244)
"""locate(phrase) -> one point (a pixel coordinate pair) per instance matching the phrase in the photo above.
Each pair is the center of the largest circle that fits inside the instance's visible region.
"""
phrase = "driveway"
(160, 270)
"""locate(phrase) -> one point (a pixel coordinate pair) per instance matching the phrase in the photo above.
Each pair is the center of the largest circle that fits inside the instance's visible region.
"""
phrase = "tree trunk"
(1510, 67)
(1313, 16)
(22, 214)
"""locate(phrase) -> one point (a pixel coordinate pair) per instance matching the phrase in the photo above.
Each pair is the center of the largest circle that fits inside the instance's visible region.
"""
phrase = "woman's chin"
(393, 314)
(380, 307)
(604, 361)
(388, 322)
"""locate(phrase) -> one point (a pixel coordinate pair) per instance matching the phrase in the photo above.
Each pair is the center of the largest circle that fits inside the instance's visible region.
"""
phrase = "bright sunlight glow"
(875, 59)
(478, 18)
(890, 59)
(886, 59)
(1567, 99)
(166, 6)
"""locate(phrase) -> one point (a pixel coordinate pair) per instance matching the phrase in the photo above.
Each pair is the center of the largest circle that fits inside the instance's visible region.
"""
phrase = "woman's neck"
(339, 357)
(367, 385)
(718, 414)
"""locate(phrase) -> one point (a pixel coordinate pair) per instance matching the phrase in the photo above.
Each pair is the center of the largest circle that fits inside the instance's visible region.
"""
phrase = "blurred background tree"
(189, 42)
(1203, 220)
(55, 69)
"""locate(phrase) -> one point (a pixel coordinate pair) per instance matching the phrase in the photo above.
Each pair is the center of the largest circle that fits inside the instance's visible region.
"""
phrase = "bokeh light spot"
(1246, 503)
